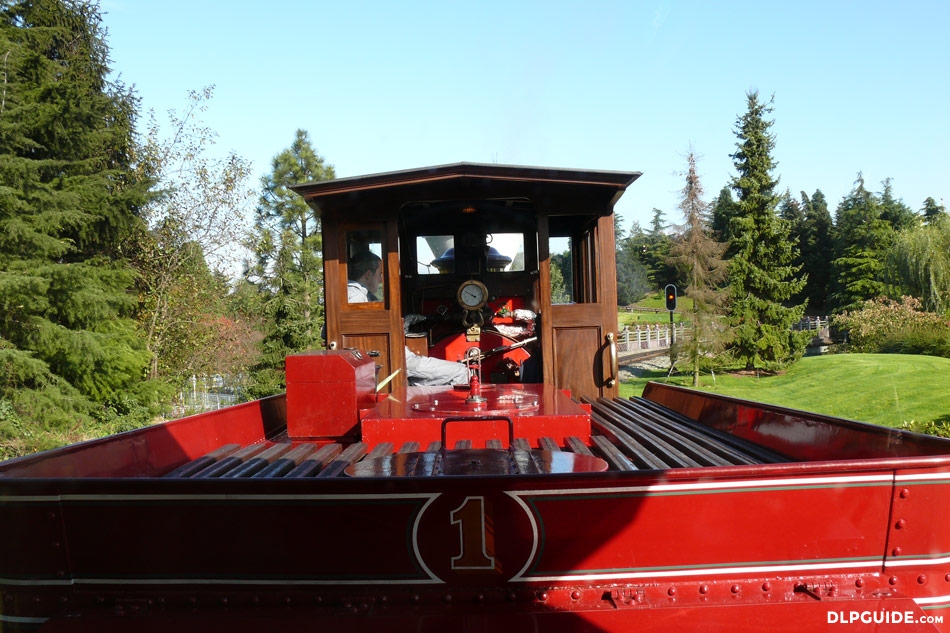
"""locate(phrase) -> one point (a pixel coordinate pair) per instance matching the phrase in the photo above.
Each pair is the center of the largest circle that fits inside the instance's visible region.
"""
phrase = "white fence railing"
(639, 338)
(812, 323)
(204, 393)
(646, 337)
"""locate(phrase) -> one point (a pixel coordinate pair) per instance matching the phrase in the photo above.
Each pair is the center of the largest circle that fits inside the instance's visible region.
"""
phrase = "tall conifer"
(762, 275)
(67, 201)
(288, 269)
(699, 257)
(817, 248)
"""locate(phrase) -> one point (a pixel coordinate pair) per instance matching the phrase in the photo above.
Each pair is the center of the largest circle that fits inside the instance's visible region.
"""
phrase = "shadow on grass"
(938, 426)
(941, 425)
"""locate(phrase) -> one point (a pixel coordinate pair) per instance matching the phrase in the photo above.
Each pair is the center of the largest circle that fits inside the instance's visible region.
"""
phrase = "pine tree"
(762, 274)
(817, 248)
(68, 202)
(894, 211)
(633, 282)
(699, 258)
(932, 212)
(654, 251)
(723, 210)
(288, 269)
(863, 238)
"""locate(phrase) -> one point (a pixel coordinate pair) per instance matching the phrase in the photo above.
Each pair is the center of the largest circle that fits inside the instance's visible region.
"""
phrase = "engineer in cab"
(365, 274)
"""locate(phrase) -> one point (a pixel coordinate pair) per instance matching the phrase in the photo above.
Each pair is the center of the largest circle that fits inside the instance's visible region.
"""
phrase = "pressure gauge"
(472, 294)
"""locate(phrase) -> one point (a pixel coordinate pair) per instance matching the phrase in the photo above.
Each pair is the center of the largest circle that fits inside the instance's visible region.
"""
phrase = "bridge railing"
(637, 338)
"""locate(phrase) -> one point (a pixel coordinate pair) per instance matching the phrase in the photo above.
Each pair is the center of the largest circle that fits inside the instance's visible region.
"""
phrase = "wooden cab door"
(374, 327)
(579, 319)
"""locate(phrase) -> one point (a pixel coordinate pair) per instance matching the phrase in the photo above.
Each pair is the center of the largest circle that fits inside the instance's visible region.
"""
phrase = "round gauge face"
(472, 294)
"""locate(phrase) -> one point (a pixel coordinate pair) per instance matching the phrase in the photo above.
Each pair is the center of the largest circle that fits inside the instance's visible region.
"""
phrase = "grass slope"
(886, 389)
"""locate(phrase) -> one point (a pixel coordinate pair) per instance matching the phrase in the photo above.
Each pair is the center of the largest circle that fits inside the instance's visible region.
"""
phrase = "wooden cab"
(466, 252)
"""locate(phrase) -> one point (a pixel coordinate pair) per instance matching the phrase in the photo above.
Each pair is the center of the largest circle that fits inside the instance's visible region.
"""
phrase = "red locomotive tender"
(528, 498)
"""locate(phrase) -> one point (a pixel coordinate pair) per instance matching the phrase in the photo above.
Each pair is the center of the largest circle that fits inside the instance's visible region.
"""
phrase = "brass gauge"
(472, 294)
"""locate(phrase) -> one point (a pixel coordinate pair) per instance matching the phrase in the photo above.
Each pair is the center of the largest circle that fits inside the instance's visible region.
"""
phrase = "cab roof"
(549, 187)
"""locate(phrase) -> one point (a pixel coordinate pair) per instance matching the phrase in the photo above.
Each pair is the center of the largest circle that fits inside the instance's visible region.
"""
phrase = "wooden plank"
(426, 464)
(463, 444)
(409, 447)
(494, 443)
(702, 448)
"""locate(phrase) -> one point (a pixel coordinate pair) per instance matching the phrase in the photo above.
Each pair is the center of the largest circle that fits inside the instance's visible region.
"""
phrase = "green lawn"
(658, 314)
(645, 318)
(886, 389)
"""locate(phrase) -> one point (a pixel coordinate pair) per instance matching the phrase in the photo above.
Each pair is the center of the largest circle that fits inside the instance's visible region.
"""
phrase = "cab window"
(365, 267)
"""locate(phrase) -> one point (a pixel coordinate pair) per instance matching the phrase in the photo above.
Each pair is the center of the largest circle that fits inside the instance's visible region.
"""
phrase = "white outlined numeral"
(476, 538)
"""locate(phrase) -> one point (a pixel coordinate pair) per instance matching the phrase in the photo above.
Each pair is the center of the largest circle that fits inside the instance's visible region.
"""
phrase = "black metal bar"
(612, 453)
(761, 453)
(657, 446)
(641, 456)
(200, 463)
(641, 426)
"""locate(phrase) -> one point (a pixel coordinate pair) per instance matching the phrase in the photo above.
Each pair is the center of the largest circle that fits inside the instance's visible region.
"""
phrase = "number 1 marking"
(476, 539)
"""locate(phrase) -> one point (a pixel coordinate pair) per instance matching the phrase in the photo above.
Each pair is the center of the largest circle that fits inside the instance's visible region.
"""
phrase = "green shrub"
(122, 413)
(884, 325)
(940, 428)
(927, 340)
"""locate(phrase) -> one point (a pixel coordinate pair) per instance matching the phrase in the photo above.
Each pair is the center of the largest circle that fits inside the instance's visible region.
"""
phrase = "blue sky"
(626, 85)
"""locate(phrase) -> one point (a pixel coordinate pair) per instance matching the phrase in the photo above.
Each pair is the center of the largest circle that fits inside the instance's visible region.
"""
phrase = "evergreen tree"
(793, 214)
(562, 280)
(288, 269)
(863, 237)
(762, 273)
(932, 211)
(699, 257)
(817, 248)
(632, 281)
(67, 205)
(894, 211)
(723, 210)
(654, 252)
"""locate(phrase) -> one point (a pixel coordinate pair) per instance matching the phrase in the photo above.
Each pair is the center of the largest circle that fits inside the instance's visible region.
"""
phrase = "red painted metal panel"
(418, 416)
(372, 615)
(743, 538)
(152, 451)
(918, 536)
(801, 435)
(693, 528)
(325, 392)
(456, 348)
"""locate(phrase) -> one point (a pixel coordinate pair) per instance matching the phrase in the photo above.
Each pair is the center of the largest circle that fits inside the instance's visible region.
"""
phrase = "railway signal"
(670, 297)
